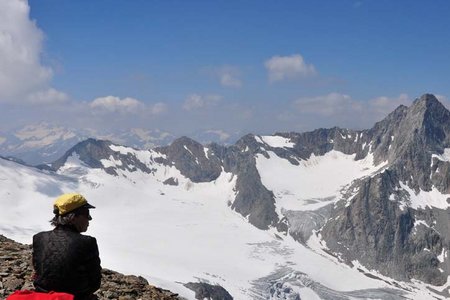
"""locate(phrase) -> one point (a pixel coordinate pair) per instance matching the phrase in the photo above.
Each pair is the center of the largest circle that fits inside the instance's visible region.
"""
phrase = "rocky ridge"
(16, 273)
(378, 226)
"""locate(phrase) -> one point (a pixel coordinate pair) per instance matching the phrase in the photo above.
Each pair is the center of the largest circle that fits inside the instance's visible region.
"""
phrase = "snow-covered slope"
(174, 234)
(316, 181)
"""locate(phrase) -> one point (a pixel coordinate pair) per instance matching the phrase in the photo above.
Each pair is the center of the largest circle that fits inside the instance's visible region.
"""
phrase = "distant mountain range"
(334, 213)
(45, 142)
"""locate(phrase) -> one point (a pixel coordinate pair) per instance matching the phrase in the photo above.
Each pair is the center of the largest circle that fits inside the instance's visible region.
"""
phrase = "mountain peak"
(427, 101)
(427, 111)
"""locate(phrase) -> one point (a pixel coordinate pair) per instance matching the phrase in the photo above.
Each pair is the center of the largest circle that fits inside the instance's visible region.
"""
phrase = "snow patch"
(444, 156)
(145, 156)
(185, 147)
(417, 223)
(111, 162)
(424, 199)
(421, 222)
(72, 162)
(442, 256)
(276, 141)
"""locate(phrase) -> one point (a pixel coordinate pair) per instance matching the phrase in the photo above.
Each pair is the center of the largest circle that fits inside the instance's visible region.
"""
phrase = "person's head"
(72, 209)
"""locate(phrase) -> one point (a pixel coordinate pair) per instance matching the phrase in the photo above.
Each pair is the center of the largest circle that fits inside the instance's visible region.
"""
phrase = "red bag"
(32, 295)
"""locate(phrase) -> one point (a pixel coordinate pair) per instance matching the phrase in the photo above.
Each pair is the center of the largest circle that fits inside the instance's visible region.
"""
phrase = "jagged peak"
(249, 138)
(94, 141)
(425, 104)
(86, 150)
(394, 117)
(428, 109)
(184, 140)
(426, 100)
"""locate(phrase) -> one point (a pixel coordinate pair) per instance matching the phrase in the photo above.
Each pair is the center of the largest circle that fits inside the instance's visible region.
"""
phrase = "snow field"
(174, 234)
(318, 178)
(275, 141)
(425, 199)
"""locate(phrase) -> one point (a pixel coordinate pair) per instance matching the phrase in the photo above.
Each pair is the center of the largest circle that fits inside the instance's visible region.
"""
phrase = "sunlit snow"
(276, 141)
(177, 234)
(316, 182)
(444, 156)
(425, 199)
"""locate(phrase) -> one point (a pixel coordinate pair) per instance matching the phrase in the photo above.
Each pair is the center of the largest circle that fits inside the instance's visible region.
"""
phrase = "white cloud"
(340, 104)
(288, 67)
(336, 109)
(328, 105)
(128, 105)
(115, 104)
(384, 105)
(158, 108)
(229, 77)
(21, 71)
(49, 96)
(196, 101)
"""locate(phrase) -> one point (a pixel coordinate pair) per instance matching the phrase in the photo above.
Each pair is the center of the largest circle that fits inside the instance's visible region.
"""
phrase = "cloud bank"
(328, 105)
(115, 104)
(23, 78)
(288, 67)
(198, 102)
(125, 106)
(337, 109)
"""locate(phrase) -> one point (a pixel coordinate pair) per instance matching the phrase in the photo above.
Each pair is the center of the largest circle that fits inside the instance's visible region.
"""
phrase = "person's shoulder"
(87, 239)
(88, 244)
(41, 238)
(40, 234)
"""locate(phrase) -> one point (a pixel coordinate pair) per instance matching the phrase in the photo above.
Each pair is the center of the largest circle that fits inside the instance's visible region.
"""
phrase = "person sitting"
(64, 260)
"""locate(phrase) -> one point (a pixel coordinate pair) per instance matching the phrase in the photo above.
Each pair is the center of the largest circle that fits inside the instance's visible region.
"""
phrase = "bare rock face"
(378, 226)
(92, 151)
(191, 158)
(208, 291)
(16, 274)
(375, 231)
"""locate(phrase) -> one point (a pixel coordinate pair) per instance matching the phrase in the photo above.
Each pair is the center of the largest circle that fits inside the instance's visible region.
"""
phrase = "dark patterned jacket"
(66, 261)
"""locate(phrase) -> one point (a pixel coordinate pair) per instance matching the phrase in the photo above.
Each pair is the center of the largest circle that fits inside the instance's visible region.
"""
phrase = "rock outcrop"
(379, 226)
(207, 291)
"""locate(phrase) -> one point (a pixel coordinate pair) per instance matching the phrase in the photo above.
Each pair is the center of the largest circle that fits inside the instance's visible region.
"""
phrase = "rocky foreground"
(16, 271)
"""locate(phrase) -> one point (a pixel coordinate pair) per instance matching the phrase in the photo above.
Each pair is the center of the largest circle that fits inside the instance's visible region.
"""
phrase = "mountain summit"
(397, 222)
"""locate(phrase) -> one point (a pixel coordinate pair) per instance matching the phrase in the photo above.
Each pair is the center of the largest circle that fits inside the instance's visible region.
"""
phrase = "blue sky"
(224, 66)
